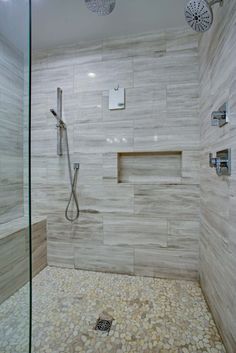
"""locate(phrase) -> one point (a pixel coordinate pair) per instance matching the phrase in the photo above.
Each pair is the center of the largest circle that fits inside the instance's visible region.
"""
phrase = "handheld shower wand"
(61, 127)
(60, 122)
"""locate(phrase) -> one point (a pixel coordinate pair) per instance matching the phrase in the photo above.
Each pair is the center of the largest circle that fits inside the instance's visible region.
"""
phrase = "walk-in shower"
(62, 132)
(118, 184)
(199, 14)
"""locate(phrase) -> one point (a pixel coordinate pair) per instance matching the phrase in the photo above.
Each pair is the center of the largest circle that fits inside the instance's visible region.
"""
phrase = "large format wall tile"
(89, 230)
(120, 48)
(183, 234)
(11, 133)
(183, 97)
(108, 75)
(85, 53)
(168, 69)
(165, 134)
(61, 253)
(14, 250)
(89, 138)
(167, 201)
(159, 72)
(218, 208)
(107, 198)
(181, 41)
(91, 167)
(85, 107)
(166, 263)
(104, 258)
(136, 231)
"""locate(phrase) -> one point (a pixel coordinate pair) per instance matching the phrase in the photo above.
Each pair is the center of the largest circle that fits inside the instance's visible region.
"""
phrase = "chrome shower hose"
(73, 184)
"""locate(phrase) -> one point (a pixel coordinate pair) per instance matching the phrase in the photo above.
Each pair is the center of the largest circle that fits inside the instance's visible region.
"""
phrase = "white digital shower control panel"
(117, 99)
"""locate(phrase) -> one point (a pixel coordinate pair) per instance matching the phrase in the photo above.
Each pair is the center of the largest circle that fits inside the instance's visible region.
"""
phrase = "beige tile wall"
(218, 206)
(14, 253)
(11, 131)
(150, 227)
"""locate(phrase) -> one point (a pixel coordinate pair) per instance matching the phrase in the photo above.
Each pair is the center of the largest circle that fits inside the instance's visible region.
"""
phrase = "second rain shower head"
(199, 14)
(101, 7)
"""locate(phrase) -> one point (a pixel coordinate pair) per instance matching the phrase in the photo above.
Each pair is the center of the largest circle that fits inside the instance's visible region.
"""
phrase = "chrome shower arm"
(213, 2)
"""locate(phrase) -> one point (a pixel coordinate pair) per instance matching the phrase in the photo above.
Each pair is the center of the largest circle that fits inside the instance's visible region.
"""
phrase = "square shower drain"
(103, 325)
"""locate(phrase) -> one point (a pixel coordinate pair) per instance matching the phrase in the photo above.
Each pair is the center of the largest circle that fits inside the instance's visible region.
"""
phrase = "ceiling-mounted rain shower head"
(199, 14)
(101, 7)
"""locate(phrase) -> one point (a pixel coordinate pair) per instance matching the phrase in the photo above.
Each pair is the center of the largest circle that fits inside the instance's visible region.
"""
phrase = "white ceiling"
(61, 22)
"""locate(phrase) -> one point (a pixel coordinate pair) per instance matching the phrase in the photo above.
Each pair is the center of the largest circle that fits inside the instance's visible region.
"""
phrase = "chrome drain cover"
(103, 325)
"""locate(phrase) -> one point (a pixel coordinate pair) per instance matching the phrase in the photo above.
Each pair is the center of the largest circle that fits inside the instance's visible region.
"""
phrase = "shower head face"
(199, 15)
(101, 7)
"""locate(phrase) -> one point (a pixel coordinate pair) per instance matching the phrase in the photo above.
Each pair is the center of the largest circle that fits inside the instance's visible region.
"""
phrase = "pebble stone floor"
(150, 315)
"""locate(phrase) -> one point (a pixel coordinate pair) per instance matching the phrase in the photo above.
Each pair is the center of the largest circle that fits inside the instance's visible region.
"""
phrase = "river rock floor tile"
(150, 315)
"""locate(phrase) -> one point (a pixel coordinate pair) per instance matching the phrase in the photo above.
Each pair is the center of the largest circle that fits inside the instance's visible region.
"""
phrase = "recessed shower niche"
(150, 167)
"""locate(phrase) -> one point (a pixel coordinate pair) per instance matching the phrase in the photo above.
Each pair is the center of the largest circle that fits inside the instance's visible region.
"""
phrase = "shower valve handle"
(222, 165)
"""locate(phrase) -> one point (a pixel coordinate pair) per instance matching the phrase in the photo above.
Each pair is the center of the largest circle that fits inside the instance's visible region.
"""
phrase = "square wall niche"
(150, 167)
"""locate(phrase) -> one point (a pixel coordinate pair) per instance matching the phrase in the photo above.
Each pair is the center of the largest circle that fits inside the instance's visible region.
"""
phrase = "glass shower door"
(15, 244)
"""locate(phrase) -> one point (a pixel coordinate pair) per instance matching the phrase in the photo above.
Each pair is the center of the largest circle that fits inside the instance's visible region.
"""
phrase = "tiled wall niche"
(150, 167)
(144, 228)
